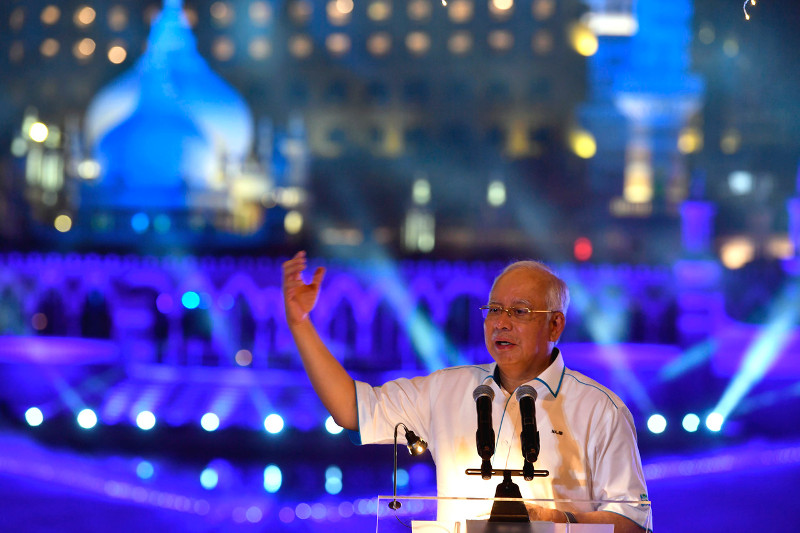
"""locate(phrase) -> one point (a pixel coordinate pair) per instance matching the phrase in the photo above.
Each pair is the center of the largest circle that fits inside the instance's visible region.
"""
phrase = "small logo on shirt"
(557, 432)
(644, 497)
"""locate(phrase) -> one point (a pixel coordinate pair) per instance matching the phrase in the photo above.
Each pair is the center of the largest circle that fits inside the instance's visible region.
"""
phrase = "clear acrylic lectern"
(431, 514)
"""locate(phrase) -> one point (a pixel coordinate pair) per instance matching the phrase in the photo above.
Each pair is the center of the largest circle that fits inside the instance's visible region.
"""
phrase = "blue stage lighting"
(319, 511)
(145, 470)
(333, 480)
(273, 423)
(333, 485)
(333, 471)
(190, 300)
(254, 514)
(146, 420)
(763, 352)
(714, 421)
(402, 477)
(273, 478)
(303, 511)
(34, 416)
(691, 422)
(87, 419)
(209, 422)
(140, 222)
(162, 223)
(656, 424)
(332, 427)
(209, 478)
(226, 301)
(164, 303)
(346, 509)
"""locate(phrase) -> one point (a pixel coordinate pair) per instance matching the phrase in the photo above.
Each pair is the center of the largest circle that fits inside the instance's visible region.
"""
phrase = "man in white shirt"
(588, 440)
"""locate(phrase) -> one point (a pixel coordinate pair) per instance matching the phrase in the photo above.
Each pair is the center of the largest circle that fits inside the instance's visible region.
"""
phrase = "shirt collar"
(549, 380)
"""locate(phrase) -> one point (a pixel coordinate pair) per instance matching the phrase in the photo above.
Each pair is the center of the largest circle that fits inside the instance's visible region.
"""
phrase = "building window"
(84, 48)
(379, 10)
(339, 11)
(49, 47)
(336, 93)
(222, 14)
(542, 42)
(419, 10)
(16, 19)
(460, 43)
(338, 44)
(50, 15)
(543, 9)
(500, 40)
(379, 44)
(418, 43)
(118, 18)
(501, 9)
(300, 11)
(377, 92)
(260, 13)
(223, 49)
(298, 93)
(300, 46)
(460, 11)
(259, 48)
(84, 16)
(416, 92)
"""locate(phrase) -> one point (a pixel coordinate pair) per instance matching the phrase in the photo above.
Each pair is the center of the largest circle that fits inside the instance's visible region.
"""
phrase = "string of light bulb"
(744, 8)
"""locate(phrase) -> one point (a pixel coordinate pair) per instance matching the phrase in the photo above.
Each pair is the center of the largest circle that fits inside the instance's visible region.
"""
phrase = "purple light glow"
(164, 303)
(57, 350)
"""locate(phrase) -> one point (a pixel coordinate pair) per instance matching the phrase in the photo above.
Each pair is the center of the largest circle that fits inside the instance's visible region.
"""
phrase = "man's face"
(522, 347)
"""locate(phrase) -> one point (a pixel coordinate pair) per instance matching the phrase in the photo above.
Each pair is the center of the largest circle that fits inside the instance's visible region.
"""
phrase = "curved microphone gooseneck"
(416, 446)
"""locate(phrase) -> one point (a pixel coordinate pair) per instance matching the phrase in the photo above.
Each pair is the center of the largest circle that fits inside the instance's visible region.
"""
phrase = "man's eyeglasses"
(519, 313)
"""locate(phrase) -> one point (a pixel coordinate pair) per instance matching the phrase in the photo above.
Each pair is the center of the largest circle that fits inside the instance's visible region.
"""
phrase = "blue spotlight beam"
(690, 359)
(764, 351)
(606, 321)
(429, 341)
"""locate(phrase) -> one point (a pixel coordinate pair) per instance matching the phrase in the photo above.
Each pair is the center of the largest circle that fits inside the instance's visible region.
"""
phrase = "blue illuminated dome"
(168, 126)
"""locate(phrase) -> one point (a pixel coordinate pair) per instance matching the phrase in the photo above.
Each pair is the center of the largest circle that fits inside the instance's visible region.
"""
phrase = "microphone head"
(483, 390)
(526, 390)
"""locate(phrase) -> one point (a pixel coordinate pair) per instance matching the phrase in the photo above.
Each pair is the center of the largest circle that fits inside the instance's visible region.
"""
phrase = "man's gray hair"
(557, 297)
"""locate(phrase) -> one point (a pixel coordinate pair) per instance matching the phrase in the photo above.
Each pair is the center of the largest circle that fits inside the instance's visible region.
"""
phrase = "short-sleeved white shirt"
(587, 436)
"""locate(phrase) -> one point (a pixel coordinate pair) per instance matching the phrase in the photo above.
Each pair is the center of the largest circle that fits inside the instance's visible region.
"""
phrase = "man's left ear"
(557, 323)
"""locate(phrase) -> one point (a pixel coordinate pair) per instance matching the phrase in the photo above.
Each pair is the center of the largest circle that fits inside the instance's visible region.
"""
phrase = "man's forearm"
(330, 380)
(622, 524)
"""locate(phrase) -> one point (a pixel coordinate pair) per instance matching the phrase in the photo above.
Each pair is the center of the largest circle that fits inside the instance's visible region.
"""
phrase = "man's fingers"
(293, 268)
(319, 275)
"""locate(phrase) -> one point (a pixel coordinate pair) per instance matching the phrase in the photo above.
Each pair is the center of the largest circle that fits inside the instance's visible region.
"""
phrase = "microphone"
(526, 396)
(484, 437)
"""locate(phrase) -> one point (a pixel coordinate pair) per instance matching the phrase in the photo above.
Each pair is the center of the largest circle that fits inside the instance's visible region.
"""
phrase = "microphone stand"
(416, 446)
(509, 511)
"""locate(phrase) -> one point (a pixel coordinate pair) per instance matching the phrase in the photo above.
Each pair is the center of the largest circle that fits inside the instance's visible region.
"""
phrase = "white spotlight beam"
(763, 352)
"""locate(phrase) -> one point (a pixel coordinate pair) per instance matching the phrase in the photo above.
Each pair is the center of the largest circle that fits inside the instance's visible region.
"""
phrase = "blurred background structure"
(160, 159)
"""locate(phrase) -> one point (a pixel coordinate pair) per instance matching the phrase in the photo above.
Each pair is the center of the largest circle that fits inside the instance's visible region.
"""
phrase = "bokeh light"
(657, 423)
(34, 416)
(691, 422)
(332, 427)
(87, 419)
(209, 422)
(146, 420)
(273, 423)
(273, 478)
(209, 478)
(714, 422)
